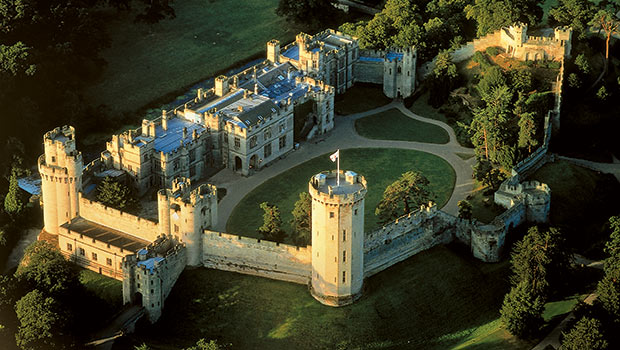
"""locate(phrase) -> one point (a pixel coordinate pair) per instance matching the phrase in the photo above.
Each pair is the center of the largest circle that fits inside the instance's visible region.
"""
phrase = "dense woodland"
(50, 50)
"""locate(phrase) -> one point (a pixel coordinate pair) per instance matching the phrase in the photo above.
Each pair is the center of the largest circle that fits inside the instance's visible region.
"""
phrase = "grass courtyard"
(433, 300)
(147, 62)
(106, 288)
(394, 125)
(360, 98)
(381, 167)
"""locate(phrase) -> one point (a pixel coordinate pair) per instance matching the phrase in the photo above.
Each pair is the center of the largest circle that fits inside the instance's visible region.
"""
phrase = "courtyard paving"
(344, 136)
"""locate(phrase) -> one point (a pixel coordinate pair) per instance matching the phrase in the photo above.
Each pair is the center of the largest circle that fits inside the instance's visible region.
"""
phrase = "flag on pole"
(335, 156)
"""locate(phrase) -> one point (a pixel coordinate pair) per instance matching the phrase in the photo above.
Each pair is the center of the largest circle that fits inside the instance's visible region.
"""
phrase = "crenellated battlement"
(323, 187)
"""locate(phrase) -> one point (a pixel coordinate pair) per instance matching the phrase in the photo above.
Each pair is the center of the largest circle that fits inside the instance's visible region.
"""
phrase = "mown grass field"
(394, 125)
(431, 301)
(146, 62)
(381, 167)
(360, 98)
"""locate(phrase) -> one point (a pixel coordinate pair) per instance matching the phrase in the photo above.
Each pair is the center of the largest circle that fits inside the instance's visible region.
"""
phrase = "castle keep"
(245, 122)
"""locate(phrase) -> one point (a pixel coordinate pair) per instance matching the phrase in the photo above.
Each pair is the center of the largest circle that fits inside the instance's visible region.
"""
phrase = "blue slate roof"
(370, 59)
(391, 56)
(150, 263)
(30, 184)
(292, 53)
(170, 140)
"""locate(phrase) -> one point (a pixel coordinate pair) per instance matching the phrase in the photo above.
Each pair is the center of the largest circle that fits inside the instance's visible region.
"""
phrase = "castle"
(243, 123)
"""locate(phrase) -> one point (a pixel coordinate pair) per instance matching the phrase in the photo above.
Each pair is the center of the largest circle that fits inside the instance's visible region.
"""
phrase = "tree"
(491, 15)
(302, 220)
(304, 11)
(575, 14)
(581, 61)
(443, 79)
(409, 192)
(586, 334)
(155, 11)
(272, 223)
(465, 210)
(608, 289)
(527, 131)
(521, 311)
(44, 266)
(2, 236)
(602, 93)
(13, 204)
(202, 344)
(40, 322)
(489, 176)
(114, 194)
(607, 20)
(540, 259)
(14, 60)
(142, 346)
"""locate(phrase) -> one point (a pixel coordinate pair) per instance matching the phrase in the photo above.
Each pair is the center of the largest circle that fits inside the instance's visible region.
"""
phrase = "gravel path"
(344, 136)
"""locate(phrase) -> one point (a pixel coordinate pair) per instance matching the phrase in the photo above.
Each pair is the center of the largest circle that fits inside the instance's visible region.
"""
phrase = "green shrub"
(492, 51)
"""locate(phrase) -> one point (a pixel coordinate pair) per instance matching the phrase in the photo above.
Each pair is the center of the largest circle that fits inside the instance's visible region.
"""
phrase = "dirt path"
(344, 136)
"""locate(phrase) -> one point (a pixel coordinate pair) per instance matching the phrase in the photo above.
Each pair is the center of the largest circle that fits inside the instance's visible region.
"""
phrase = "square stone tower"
(337, 237)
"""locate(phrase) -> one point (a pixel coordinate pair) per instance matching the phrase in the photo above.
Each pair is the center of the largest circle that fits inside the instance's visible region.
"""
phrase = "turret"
(273, 51)
(61, 177)
(185, 213)
(221, 85)
(337, 237)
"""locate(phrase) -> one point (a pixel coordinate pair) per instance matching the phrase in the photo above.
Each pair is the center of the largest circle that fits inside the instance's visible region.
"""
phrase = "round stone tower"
(61, 177)
(337, 237)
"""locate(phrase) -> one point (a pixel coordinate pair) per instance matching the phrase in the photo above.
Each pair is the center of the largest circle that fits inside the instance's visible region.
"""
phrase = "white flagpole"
(338, 171)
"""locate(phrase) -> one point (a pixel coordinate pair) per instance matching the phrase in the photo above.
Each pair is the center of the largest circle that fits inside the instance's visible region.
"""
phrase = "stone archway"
(137, 298)
(238, 164)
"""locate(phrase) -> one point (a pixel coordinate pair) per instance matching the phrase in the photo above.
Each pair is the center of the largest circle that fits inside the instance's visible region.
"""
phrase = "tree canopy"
(586, 334)
(115, 194)
(305, 11)
(302, 220)
(407, 193)
(45, 268)
(272, 223)
(575, 14)
(491, 15)
(521, 311)
(40, 322)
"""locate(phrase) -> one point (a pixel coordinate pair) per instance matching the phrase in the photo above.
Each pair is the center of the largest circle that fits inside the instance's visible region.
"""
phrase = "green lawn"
(394, 125)
(430, 301)
(450, 113)
(360, 98)
(146, 62)
(106, 288)
(381, 167)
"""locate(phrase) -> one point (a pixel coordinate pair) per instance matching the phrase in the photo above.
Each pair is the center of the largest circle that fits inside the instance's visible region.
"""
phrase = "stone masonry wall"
(256, 257)
(118, 220)
(407, 236)
(368, 72)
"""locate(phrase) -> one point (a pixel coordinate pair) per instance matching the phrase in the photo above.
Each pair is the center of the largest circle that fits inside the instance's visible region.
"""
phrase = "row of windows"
(94, 257)
(331, 213)
(253, 141)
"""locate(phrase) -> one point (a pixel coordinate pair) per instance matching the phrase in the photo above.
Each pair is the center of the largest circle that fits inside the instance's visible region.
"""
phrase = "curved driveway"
(344, 136)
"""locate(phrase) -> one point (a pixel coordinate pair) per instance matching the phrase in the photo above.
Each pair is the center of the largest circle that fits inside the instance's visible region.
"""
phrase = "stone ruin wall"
(118, 220)
(253, 256)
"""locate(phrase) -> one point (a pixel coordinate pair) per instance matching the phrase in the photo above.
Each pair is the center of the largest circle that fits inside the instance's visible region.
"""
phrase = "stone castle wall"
(257, 257)
(368, 72)
(118, 220)
(407, 236)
